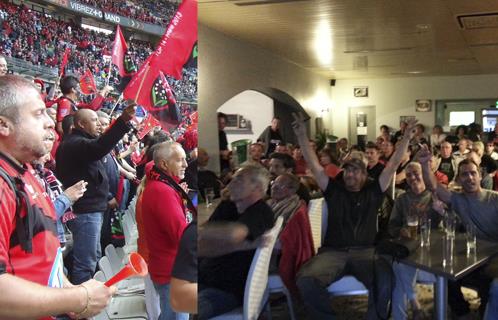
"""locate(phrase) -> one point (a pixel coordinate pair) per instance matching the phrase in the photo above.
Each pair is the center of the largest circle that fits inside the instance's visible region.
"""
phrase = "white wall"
(228, 67)
(396, 97)
(253, 106)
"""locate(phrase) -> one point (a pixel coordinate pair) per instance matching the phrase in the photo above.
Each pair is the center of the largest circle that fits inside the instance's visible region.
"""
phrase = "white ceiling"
(347, 39)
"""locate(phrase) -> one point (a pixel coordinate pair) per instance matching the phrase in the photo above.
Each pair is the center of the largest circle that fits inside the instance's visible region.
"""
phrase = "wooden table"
(430, 259)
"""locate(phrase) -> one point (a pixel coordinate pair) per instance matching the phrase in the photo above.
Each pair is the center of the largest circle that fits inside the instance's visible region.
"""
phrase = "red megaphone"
(136, 267)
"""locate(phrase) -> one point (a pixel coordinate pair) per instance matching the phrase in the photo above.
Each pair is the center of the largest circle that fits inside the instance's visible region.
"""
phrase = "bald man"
(3, 66)
(79, 157)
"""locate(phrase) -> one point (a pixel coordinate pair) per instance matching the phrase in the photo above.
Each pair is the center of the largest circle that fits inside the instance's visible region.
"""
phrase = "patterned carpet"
(354, 308)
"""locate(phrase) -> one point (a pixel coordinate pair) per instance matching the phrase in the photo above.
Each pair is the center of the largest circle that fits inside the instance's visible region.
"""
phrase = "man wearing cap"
(348, 245)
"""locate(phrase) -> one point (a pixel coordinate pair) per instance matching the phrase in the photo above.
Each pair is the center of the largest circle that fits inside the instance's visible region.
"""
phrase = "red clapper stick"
(136, 267)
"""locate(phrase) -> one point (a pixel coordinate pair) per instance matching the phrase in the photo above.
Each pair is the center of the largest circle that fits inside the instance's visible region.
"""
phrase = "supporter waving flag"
(149, 88)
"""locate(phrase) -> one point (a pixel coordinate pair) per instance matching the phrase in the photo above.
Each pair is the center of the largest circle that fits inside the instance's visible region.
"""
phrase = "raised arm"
(425, 157)
(220, 238)
(393, 164)
(310, 156)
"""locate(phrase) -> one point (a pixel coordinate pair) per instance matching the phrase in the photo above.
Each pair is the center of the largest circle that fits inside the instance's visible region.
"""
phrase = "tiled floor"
(353, 308)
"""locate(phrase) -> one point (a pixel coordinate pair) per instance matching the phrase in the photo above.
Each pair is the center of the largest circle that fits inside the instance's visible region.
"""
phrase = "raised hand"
(424, 154)
(129, 111)
(410, 128)
(298, 125)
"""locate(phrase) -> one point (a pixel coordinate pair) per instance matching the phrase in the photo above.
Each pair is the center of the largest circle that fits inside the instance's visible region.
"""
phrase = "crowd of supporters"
(40, 39)
(153, 12)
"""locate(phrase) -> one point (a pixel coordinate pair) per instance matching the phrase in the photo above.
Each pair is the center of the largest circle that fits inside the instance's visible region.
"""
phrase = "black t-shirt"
(275, 139)
(185, 267)
(375, 171)
(223, 142)
(446, 167)
(352, 216)
(229, 272)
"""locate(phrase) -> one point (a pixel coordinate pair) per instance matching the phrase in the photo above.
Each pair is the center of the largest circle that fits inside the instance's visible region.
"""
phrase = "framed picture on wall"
(406, 118)
(232, 121)
(423, 105)
(360, 92)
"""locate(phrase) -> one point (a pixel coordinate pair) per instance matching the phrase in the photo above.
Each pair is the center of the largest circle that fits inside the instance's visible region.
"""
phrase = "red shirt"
(164, 219)
(44, 265)
(66, 106)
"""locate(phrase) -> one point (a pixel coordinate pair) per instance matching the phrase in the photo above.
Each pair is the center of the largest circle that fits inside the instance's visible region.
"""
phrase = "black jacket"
(80, 157)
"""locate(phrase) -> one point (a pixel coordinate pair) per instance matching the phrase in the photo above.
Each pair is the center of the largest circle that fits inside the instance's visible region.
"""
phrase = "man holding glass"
(413, 208)
(477, 208)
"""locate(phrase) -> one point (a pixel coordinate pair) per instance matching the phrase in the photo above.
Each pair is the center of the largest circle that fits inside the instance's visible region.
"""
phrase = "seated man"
(475, 206)
(348, 247)
(228, 239)
(417, 200)
(255, 155)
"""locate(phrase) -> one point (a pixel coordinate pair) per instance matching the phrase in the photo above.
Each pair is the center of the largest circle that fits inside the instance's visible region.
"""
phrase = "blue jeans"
(492, 307)
(213, 302)
(166, 312)
(86, 248)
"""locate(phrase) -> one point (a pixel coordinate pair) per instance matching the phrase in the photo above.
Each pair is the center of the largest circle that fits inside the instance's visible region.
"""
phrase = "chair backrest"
(257, 279)
(132, 208)
(105, 267)
(114, 260)
(315, 214)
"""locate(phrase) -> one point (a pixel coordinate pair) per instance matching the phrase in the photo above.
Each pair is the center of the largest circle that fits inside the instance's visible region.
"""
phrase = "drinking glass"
(448, 246)
(412, 222)
(209, 195)
(470, 236)
(450, 224)
(425, 232)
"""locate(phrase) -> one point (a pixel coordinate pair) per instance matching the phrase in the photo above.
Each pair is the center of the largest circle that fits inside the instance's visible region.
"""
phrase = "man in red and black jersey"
(68, 103)
(30, 257)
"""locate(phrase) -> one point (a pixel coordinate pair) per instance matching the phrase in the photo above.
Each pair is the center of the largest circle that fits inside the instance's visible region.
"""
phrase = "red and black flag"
(119, 49)
(87, 83)
(147, 125)
(65, 59)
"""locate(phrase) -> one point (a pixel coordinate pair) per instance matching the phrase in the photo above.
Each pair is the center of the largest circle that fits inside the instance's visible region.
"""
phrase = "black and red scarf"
(159, 175)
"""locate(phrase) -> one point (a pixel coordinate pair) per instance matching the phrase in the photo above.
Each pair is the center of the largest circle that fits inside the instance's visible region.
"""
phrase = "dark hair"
(287, 160)
(329, 153)
(372, 145)
(222, 115)
(384, 127)
(68, 83)
(277, 118)
(465, 162)
(67, 123)
(461, 127)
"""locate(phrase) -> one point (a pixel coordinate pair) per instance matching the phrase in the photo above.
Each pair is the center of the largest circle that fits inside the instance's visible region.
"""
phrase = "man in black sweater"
(79, 157)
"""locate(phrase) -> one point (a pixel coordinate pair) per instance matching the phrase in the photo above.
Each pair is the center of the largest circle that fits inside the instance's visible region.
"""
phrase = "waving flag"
(65, 58)
(119, 49)
(147, 125)
(87, 83)
(179, 41)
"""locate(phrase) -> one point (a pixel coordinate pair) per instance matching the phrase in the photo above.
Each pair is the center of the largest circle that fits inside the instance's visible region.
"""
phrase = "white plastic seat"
(256, 290)
(123, 307)
(275, 285)
(129, 286)
(347, 285)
